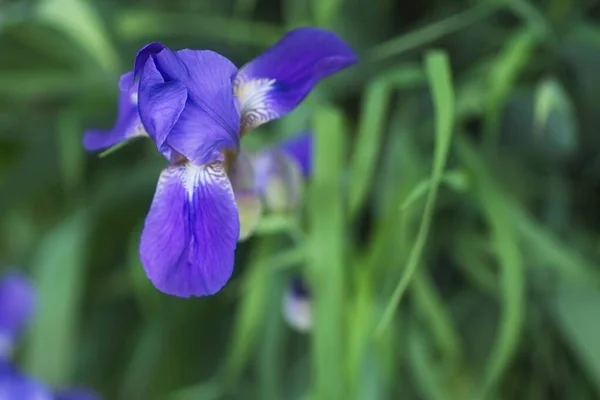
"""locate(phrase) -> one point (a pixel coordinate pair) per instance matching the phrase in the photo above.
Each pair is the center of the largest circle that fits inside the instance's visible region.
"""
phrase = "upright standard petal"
(278, 179)
(247, 195)
(17, 304)
(275, 82)
(186, 102)
(191, 232)
(128, 121)
(299, 147)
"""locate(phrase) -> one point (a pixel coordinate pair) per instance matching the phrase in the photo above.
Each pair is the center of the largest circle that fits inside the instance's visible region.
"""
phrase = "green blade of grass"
(455, 179)
(508, 65)
(439, 75)
(571, 308)
(326, 254)
(251, 312)
(59, 275)
(505, 242)
(324, 11)
(442, 328)
(371, 128)
(82, 24)
(424, 371)
(434, 31)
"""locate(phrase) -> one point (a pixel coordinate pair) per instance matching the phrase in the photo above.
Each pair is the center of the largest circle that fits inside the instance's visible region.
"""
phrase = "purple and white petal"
(17, 305)
(297, 306)
(191, 231)
(275, 82)
(186, 103)
(247, 196)
(299, 147)
(278, 179)
(128, 123)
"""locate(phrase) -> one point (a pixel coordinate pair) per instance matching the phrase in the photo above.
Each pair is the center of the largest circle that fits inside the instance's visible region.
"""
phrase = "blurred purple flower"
(280, 169)
(17, 303)
(75, 394)
(297, 305)
(195, 105)
(14, 385)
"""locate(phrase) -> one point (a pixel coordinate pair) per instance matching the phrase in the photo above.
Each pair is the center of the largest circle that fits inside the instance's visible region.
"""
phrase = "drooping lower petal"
(247, 194)
(128, 123)
(275, 82)
(191, 231)
(17, 303)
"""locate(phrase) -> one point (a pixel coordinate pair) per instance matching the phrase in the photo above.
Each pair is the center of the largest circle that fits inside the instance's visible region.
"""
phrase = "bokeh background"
(450, 233)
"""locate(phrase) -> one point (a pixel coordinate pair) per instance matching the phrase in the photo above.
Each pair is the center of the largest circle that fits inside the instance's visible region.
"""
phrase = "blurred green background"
(450, 232)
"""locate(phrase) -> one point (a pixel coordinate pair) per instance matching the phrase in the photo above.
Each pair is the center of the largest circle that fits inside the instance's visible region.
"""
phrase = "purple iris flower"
(17, 303)
(279, 171)
(195, 105)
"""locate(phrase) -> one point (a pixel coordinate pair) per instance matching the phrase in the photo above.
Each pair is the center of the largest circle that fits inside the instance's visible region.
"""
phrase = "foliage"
(450, 231)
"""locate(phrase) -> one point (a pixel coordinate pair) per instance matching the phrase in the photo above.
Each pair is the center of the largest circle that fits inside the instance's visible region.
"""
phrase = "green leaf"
(82, 25)
(434, 31)
(505, 240)
(439, 74)
(144, 362)
(505, 70)
(456, 179)
(371, 128)
(430, 305)
(326, 253)
(554, 115)
(251, 312)
(58, 270)
(204, 391)
(325, 11)
(70, 150)
(573, 307)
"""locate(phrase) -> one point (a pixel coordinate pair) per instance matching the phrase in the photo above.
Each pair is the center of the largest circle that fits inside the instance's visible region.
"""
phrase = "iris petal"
(274, 83)
(299, 147)
(279, 180)
(203, 122)
(128, 121)
(161, 104)
(297, 306)
(247, 194)
(190, 234)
